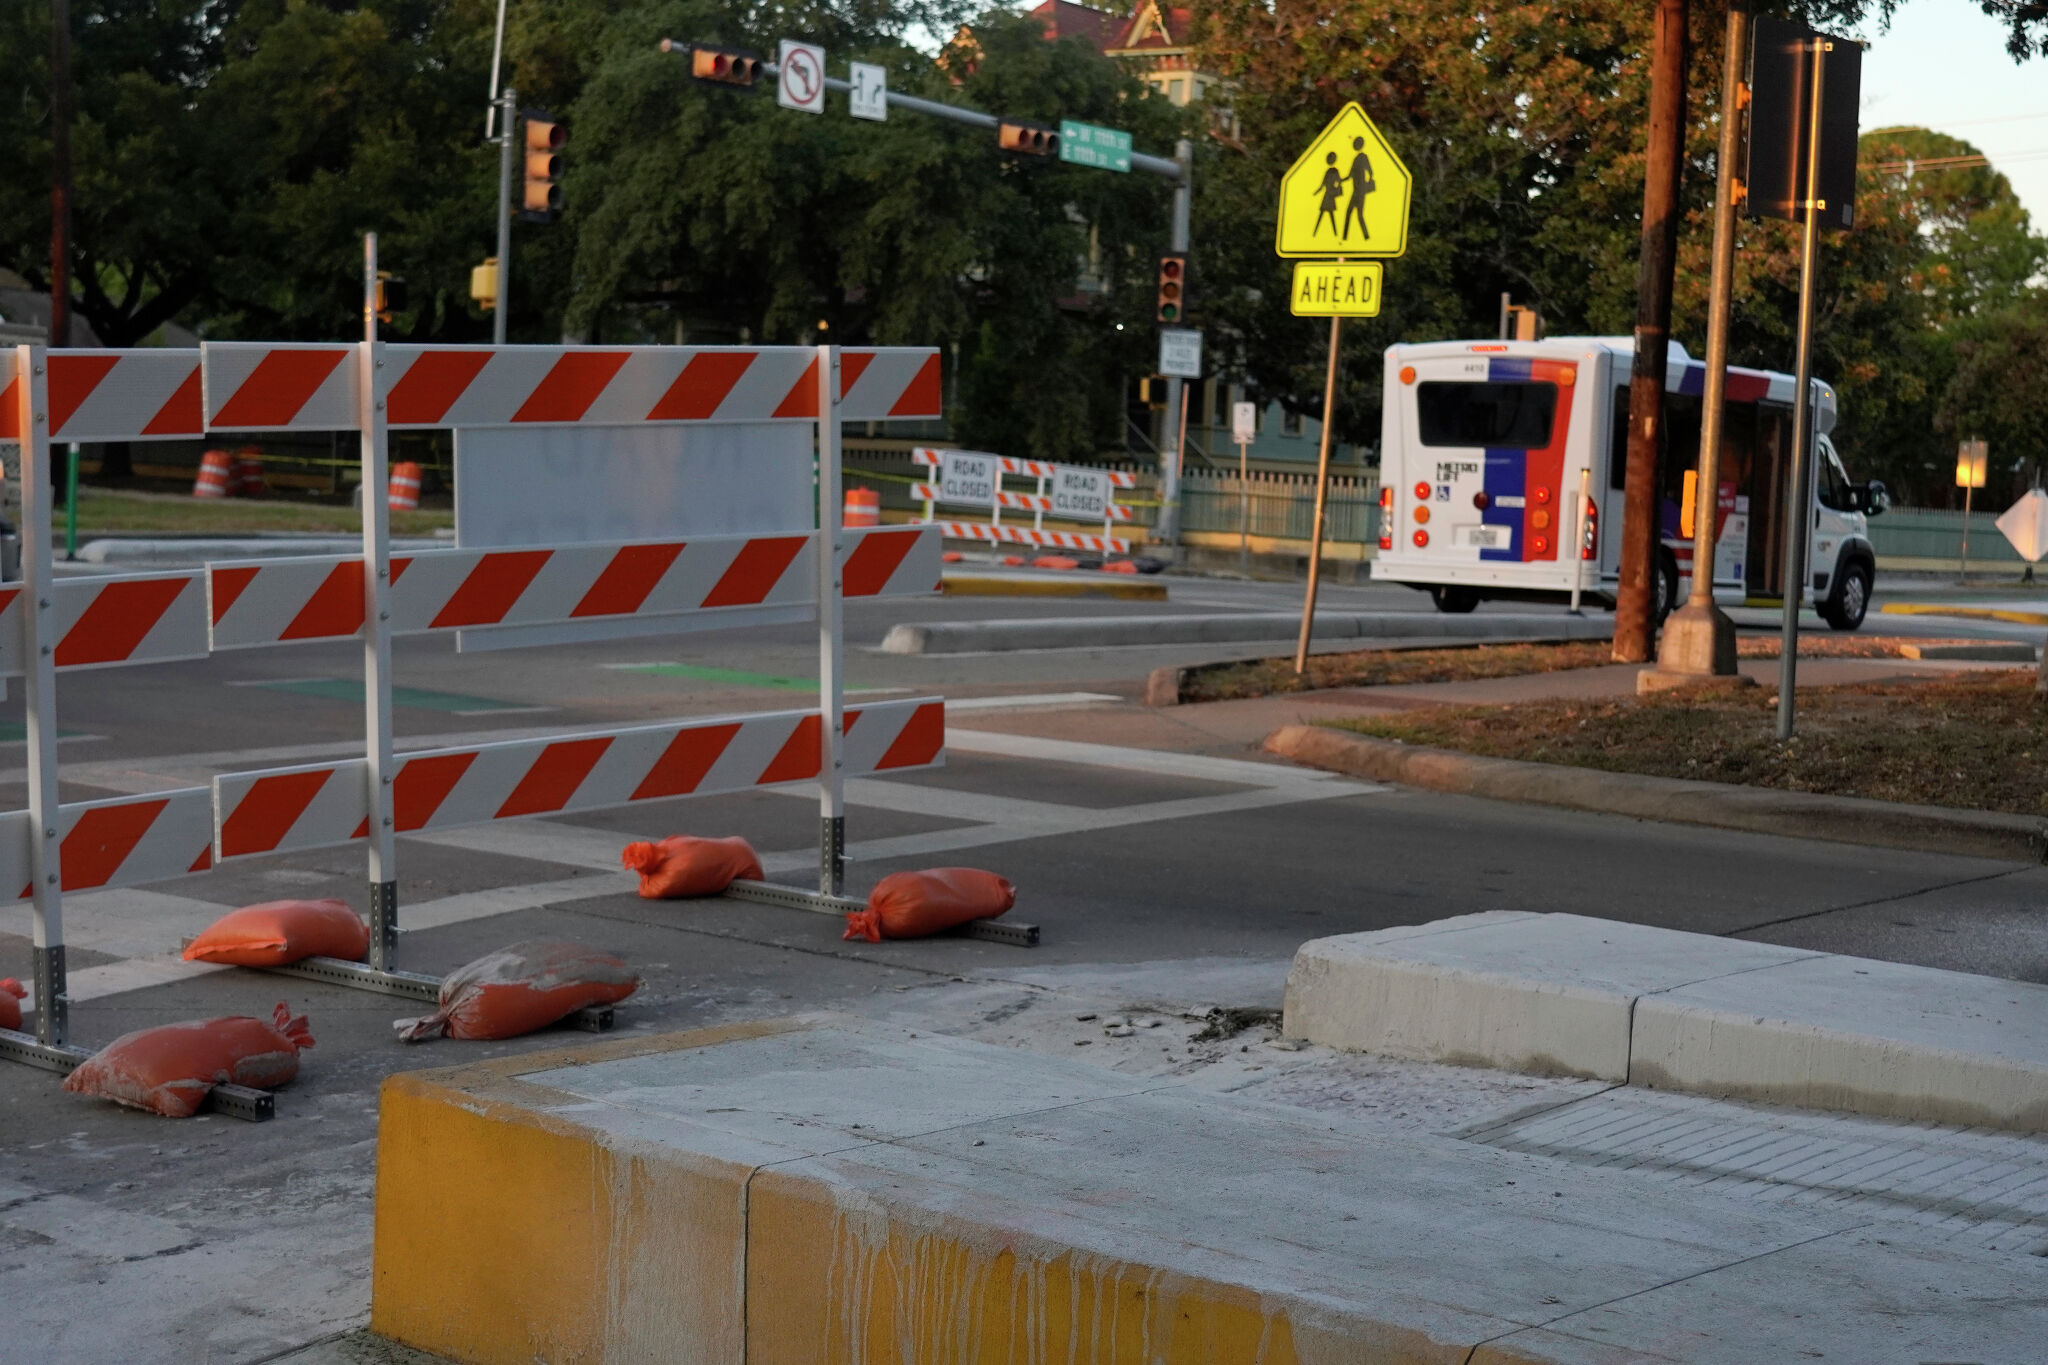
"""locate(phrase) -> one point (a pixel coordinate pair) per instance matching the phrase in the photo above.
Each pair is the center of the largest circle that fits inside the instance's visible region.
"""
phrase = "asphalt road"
(1122, 856)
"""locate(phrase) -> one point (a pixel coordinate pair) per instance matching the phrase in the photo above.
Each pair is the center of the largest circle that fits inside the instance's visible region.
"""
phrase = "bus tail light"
(1387, 518)
(1422, 540)
(1589, 538)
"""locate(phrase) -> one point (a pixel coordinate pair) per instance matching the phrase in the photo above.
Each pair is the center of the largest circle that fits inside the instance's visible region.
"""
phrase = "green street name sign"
(1086, 145)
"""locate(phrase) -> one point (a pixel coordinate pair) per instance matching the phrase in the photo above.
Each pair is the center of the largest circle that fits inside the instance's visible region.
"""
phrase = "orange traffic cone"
(863, 508)
(215, 470)
(405, 486)
(249, 472)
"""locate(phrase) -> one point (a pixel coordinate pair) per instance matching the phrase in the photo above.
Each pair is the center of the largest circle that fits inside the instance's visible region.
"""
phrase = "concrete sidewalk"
(835, 1189)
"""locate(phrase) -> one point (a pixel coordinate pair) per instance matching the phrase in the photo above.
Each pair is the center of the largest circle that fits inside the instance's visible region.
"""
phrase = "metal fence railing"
(1937, 533)
(1282, 506)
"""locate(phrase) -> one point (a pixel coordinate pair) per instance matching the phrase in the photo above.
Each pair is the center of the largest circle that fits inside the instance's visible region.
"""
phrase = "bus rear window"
(1470, 414)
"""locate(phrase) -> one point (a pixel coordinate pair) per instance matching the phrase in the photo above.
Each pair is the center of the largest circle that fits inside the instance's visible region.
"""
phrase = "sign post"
(1351, 163)
(1971, 459)
(1244, 424)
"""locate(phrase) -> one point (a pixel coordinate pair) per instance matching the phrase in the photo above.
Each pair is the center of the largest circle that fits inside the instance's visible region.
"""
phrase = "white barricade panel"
(265, 386)
(1031, 535)
(121, 841)
(267, 602)
(314, 805)
(118, 619)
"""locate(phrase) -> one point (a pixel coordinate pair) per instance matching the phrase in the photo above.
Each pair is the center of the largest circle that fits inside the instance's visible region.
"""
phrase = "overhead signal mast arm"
(1165, 167)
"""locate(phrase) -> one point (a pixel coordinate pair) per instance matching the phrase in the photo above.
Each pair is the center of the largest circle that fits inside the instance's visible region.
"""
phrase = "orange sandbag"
(1119, 566)
(278, 932)
(1055, 562)
(170, 1070)
(952, 557)
(681, 866)
(913, 904)
(12, 993)
(522, 988)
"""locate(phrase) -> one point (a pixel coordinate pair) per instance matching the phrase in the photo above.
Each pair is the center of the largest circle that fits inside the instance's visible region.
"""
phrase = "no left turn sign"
(800, 78)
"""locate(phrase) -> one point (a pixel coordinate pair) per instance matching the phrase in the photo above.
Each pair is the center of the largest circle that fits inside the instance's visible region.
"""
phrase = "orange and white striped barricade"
(1068, 492)
(49, 625)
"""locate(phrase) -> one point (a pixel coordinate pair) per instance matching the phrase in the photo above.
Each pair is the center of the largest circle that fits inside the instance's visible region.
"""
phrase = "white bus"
(1486, 446)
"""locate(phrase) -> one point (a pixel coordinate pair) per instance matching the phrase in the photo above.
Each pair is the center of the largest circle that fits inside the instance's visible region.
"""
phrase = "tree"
(718, 214)
(2000, 387)
(228, 154)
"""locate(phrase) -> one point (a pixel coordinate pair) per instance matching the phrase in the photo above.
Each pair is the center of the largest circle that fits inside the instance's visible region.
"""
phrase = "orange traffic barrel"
(863, 507)
(405, 486)
(216, 468)
(248, 472)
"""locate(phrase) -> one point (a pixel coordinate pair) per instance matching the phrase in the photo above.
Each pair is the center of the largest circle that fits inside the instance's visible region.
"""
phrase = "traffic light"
(390, 295)
(1027, 139)
(483, 284)
(545, 139)
(723, 65)
(1173, 286)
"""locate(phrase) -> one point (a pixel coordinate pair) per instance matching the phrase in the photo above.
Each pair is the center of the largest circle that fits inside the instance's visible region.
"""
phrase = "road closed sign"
(965, 477)
(1082, 494)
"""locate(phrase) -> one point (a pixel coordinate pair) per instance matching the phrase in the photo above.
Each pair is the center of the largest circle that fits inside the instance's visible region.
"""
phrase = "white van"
(1485, 446)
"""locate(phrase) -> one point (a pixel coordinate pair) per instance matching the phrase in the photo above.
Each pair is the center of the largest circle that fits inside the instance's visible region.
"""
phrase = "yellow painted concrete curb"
(1080, 585)
(2025, 618)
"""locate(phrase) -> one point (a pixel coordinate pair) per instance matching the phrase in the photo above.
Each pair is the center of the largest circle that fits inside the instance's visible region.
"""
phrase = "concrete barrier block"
(510, 1229)
(1546, 994)
(836, 1190)
(1856, 1034)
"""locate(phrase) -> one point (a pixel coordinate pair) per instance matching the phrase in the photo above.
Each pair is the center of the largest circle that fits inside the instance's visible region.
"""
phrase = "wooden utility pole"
(60, 172)
(1633, 626)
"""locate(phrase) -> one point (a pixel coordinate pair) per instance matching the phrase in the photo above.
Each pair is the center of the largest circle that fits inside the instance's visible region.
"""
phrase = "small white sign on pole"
(1244, 423)
(869, 97)
(1082, 494)
(1180, 353)
(965, 477)
(2025, 524)
(800, 77)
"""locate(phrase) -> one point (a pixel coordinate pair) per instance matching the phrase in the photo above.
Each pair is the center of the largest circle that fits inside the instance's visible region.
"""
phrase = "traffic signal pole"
(508, 155)
(1167, 529)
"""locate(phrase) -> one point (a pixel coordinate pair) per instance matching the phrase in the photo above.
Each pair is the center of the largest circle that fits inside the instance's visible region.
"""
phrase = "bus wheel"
(1452, 599)
(1846, 605)
(1664, 587)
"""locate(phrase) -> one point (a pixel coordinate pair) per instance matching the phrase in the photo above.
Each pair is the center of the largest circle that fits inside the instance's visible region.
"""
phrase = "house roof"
(1064, 19)
(1154, 26)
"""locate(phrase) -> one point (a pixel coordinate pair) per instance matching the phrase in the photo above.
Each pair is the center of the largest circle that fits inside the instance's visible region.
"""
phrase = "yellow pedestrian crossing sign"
(1347, 195)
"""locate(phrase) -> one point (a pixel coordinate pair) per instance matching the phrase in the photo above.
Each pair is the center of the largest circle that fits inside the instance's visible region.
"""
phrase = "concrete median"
(1098, 632)
(1568, 995)
(830, 1190)
(1719, 805)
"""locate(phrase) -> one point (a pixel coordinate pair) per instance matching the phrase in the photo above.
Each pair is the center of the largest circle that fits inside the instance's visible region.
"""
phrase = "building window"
(1290, 422)
(1177, 90)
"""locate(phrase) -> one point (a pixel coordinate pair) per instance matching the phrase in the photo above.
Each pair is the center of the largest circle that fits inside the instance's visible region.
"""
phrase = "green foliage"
(716, 213)
(227, 155)
(2000, 387)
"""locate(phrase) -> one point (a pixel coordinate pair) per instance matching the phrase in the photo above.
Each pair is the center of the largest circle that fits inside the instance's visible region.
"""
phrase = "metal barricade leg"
(377, 630)
(831, 656)
(39, 688)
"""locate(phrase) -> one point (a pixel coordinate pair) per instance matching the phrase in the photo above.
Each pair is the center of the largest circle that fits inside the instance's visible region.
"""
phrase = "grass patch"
(1467, 663)
(114, 509)
(1976, 742)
